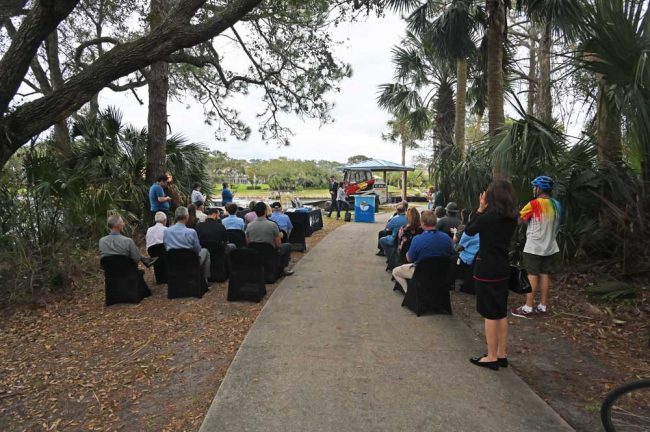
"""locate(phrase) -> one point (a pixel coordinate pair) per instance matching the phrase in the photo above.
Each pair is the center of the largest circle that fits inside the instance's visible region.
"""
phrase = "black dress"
(492, 268)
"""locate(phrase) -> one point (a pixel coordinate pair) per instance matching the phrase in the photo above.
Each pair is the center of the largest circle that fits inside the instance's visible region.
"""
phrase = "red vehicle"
(358, 181)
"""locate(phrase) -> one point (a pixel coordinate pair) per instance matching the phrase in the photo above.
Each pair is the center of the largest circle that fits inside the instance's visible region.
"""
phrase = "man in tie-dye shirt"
(542, 215)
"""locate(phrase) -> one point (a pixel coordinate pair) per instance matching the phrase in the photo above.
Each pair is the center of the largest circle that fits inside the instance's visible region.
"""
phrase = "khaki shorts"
(537, 264)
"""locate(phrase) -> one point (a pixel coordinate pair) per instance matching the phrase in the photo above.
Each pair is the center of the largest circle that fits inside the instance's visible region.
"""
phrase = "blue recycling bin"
(364, 208)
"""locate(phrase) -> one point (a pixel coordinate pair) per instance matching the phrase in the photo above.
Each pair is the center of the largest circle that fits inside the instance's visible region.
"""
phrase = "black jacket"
(495, 235)
(211, 231)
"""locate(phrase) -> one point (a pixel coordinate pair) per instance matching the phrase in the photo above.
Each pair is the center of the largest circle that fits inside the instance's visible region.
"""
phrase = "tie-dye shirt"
(543, 217)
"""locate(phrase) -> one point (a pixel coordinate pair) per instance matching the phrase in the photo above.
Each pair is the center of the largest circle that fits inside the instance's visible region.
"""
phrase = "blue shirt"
(226, 196)
(395, 224)
(283, 221)
(233, 222)
(156, 191)
(429, 244)
(470, 244)
(178, 236)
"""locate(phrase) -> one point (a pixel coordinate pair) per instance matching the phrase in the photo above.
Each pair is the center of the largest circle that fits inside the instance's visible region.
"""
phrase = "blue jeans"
(387, 244)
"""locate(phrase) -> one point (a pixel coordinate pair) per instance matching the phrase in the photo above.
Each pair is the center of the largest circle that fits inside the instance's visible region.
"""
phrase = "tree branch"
(97, 41)
(37, 25)
(173, 34)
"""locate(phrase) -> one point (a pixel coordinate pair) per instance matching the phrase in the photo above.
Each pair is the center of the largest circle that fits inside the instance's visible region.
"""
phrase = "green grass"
(263, 191)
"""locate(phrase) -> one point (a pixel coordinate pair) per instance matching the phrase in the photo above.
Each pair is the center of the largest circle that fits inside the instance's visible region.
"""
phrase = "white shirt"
(155, 234)
(197, 196)
(201, 216)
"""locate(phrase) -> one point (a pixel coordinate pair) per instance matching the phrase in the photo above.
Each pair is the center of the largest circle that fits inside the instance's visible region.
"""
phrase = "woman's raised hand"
(483, 204)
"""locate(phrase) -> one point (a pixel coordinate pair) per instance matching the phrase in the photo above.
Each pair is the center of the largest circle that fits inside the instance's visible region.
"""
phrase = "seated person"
(232, 221)
(278, 216)
(192, 220)
(265, 231)
(117, 244)
(468, 248)
(431, 243)
(451, 220)
(412, 228)
(250, 216)
(200, 212)
(212, 230)
(155, 233)
(179, 236)
(387, 242)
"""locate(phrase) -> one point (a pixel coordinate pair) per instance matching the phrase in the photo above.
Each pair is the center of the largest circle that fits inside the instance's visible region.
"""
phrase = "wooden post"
(404, 186)
(386, 183)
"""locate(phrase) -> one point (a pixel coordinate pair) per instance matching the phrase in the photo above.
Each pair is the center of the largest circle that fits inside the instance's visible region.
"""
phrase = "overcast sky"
(358, 123)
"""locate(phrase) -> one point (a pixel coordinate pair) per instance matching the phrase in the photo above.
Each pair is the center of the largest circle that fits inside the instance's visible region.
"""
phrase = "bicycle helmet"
(545, 183)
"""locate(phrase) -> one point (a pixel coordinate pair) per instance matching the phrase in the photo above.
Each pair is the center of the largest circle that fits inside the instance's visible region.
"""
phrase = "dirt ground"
(579, 351)
(69, 363)
(73, 364)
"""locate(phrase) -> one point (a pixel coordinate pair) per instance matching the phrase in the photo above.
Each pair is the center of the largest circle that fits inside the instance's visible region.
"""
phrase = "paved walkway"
(334, 351)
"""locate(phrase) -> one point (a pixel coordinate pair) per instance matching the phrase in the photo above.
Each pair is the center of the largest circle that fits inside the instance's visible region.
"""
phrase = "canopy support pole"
(387, 194)
(404, 197)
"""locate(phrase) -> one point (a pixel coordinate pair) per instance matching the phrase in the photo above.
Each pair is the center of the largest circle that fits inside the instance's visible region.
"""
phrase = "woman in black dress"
(496, 221)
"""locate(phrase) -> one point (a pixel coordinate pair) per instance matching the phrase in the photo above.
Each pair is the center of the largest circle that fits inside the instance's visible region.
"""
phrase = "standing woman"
(495, 221)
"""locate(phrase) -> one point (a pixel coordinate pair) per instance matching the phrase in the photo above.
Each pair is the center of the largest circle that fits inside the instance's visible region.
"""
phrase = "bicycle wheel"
(627, 408)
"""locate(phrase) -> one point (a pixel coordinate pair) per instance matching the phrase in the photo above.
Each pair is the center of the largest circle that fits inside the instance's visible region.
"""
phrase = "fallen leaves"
(156, 366)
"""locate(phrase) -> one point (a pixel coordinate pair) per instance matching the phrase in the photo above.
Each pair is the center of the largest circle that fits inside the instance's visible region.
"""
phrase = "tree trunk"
(158, 81)
(404, 173)
(461, 93)
(61, 132)
(496, 38)
(544, 98)
(609, 138)
(532, 72)
(157, 119)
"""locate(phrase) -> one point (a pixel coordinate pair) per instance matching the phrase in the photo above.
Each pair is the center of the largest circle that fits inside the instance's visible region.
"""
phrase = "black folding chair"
(236, 237)
(123, 282)
(218, 262)
(160, 266)
(184, 275)
(270, 258)
(246, 275)
(428, 290)
(297, 237)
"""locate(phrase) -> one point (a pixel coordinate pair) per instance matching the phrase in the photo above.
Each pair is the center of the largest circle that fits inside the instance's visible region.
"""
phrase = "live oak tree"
(294, 69)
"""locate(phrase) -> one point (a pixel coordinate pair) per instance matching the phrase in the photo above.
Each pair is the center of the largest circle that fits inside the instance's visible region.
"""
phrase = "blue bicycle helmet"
(545, 183)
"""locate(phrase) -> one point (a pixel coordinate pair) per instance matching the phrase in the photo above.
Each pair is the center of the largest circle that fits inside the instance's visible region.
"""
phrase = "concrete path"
(333, 350)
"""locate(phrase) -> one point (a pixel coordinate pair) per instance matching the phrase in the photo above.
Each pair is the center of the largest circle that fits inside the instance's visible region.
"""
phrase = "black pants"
(339, 207)
(333, 206)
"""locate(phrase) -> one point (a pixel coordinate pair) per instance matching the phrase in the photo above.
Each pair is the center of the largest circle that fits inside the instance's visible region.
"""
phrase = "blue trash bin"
(364, 208)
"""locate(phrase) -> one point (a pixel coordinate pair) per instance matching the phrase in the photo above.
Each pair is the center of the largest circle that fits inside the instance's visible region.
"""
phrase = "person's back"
(211, 231)
(232, 222)
(117, 244)
(468, 246)
(395, 223)
(262, 230)
(543, 217)
(431, 243)
(178, 236)
(155, 234)
(446, 223)
(283, 221)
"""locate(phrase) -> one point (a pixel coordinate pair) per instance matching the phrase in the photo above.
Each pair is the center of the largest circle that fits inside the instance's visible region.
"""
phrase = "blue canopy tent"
(383, 166)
